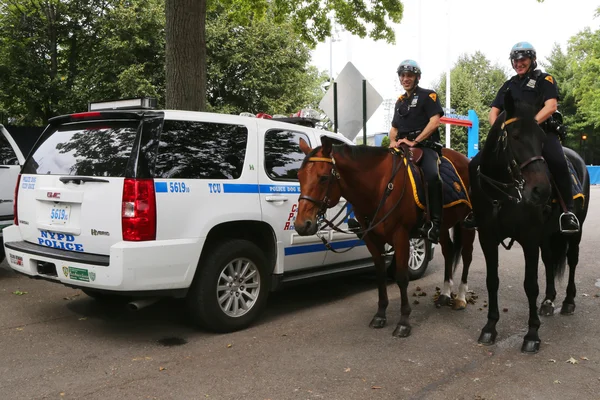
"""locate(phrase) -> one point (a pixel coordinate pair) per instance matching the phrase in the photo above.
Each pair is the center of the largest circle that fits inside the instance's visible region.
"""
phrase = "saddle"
(413, 154)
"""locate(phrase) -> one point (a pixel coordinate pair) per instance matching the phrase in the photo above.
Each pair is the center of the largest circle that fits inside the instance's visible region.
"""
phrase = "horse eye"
(323, 178)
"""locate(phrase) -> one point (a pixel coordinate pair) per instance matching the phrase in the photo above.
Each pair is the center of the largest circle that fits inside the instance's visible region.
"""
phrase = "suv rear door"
(279, 188)
(71, 187)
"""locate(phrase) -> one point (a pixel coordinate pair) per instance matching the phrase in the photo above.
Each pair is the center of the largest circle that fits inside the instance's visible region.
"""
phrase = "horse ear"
(326, 144)
(304, 146)
(509, 103)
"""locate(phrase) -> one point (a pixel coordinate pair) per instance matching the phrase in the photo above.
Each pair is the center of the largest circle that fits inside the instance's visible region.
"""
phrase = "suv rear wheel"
(230, 288)
(418, 259)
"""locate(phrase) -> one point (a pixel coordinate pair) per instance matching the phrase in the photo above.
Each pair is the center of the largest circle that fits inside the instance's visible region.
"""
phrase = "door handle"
(273, 199)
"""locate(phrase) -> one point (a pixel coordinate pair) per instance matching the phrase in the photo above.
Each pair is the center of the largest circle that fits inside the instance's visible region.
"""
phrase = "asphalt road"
(313, 343)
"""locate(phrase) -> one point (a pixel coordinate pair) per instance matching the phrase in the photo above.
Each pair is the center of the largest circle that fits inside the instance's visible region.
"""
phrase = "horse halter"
(322, 204)
(514, 169)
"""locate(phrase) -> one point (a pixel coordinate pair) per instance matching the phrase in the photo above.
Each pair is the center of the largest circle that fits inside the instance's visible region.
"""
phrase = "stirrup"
(568, 231)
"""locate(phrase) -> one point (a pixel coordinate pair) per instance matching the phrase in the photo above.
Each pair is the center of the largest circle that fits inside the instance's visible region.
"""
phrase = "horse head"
(517, 141)
(319, 186)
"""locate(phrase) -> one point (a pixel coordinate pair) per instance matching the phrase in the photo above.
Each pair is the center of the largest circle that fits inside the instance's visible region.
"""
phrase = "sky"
(436, 32)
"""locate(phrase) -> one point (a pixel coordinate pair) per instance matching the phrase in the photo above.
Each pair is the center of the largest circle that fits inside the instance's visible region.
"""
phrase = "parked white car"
(11, 160)
(149, 204)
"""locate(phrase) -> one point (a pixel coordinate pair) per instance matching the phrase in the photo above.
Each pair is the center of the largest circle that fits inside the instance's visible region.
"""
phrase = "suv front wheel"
(230, 288)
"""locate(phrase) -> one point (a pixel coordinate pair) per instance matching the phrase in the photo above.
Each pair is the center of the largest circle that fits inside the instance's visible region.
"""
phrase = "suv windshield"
(87, 149)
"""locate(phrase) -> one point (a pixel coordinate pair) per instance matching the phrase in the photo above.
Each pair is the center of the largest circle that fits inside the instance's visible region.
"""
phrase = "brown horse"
(376, 182)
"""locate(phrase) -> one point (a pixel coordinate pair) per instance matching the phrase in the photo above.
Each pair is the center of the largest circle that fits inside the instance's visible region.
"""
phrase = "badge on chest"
(531, 83)
(413, 103)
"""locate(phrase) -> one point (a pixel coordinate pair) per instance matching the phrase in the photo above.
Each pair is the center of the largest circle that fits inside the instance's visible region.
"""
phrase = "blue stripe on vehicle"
(160, 187)
(253, 188)
(240, 188)
(313, 248)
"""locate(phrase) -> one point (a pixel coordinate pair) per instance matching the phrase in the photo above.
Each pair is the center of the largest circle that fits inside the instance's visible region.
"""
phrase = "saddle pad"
(454, 191)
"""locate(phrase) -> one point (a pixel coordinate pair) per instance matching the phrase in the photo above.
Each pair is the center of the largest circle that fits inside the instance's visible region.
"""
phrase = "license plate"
(59, 213)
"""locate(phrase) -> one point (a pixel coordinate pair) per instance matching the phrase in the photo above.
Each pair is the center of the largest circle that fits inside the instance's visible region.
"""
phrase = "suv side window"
(283, 157)
(7, 154)
(201, 150)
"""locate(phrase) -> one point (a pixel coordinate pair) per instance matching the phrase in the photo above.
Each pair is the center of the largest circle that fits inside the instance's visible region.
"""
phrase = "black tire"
(220, 267)
(2, 253)
(418, 259)
(106, 298)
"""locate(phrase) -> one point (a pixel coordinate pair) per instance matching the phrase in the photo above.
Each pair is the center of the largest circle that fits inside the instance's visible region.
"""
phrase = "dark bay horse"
(362, 175)
(512, 197)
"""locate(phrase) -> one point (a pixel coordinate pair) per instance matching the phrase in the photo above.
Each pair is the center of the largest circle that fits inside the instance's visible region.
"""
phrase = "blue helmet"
(409, 66)
(522, 50)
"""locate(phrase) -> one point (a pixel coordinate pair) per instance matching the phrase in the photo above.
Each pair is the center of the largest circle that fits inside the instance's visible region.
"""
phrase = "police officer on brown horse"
(416, 121)
(531, 85)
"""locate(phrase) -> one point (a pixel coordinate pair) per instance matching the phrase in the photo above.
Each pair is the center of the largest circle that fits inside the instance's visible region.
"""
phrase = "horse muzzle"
(307, 227)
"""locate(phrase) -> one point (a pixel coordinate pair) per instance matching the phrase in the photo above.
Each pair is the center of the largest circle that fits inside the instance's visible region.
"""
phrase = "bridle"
(323, 204)
(515, 170)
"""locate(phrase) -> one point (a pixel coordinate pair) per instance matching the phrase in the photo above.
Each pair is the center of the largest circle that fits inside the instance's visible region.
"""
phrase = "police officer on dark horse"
(416, 121)
(528, 86)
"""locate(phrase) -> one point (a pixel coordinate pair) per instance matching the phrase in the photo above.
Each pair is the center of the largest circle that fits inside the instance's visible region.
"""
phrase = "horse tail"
(559, 245)
(457, 246)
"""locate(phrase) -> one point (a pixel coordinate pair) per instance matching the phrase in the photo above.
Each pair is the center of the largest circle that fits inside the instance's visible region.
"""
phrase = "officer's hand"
(409, 143)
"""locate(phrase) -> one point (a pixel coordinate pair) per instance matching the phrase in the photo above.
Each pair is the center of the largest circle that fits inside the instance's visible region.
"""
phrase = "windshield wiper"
(80, 179)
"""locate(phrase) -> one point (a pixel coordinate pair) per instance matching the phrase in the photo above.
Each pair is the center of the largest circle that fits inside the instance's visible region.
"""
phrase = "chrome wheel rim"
(417, 254)
(238, 287)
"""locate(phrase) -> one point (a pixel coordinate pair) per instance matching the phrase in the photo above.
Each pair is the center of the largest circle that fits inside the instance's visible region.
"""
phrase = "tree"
(186, 33)
(474, 84)
(261, 67)
(385, 142)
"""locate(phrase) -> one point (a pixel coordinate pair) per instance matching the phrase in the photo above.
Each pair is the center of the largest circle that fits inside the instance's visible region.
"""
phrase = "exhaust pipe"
(138, 304)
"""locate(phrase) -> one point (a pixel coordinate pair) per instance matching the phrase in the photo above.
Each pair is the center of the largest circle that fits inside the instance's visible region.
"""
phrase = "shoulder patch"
(549, 79)
(433, 96)
(401, 97)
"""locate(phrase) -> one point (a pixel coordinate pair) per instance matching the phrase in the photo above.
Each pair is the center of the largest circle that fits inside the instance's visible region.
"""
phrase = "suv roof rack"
(141, 103)
(309, 122)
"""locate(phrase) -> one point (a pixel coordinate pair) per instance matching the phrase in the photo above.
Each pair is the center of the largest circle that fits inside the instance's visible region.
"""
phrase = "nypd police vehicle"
(11, 159)
(141, 204)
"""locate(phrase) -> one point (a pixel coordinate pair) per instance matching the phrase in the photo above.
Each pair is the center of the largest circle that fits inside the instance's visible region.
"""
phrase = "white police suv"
(11, 160)
(148, 204)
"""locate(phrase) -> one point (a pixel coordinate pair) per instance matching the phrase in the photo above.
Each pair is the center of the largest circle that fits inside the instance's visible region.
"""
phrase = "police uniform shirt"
(528, 88)
(412, 113)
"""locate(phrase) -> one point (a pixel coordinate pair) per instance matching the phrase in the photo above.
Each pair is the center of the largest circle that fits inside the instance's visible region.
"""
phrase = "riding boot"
(470, 222)
(568, 222)
(431, 230)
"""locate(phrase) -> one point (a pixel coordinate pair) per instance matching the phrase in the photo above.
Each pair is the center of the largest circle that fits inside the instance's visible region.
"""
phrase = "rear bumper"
(129, 267)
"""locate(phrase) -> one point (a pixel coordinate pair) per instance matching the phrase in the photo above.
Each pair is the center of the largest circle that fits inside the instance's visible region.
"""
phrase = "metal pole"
(335, 108)
(448, 72)
(364, 104)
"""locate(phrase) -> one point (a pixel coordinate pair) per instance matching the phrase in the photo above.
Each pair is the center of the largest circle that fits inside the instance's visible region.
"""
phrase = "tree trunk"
(186, 54)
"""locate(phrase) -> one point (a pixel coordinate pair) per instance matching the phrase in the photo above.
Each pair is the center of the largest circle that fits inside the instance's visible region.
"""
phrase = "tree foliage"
(56, 56)
(385, 142)
(474, 82)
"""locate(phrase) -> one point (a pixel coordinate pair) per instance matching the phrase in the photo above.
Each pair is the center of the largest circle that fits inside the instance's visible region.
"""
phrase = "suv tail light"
(138, 218)
(15, 198)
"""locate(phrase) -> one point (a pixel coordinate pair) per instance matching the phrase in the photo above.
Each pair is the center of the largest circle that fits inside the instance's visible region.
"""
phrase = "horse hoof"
(442, 300)
(546, 310)
(402, 331)
(487, 338)
(530, 346)
(567, 309)
(378, 322)
(459, 305)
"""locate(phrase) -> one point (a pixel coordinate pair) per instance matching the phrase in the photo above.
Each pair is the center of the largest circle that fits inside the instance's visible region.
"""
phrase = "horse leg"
(531, 342)
(445, 297)
(547, 306)
(376, 250)
(468, 237)
(568, 306)
(492, 282)
(401, 246)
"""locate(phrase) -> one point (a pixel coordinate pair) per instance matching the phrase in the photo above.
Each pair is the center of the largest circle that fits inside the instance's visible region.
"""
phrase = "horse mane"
(354, 153)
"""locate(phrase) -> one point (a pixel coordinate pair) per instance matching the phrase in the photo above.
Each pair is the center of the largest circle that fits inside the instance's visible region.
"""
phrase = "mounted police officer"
(529, 85)
(416, 120)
